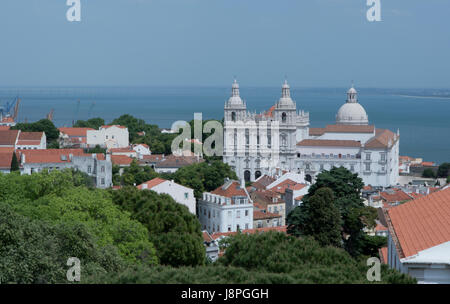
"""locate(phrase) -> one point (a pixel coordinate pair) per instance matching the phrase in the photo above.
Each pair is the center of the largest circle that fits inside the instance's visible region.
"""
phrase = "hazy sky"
(205, 42)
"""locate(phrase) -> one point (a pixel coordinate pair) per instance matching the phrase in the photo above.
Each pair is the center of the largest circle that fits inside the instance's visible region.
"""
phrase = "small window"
(186, 195)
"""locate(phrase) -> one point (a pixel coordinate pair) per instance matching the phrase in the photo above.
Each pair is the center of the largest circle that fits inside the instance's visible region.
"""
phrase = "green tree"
(347, 188)
(173, 230)
(94, 123)
(319, 218)
(428, 173)
(32, 251)
(266, 258)
(443, 170)
(53, 198)
(43, 125)
(205, 176)
(14, 163)
(133, 175)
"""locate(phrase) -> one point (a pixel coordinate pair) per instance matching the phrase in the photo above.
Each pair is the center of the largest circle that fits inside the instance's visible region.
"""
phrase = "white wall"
(177, 192)
(111, 137)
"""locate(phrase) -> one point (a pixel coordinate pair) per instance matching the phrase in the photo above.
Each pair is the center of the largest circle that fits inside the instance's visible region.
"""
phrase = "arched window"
(233, 116)
(247, 175)
(308, 178)
(283, 117)
(257, 174)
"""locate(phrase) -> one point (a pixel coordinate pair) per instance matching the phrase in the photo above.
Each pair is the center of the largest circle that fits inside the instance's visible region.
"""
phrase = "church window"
(321, 167)
(257, 140)
(367, 156)
(383, 156)
(283, 117)
(233, 116)
(298, 155)
(247, 137)
(367, 167)
(284, 140)
(352, 168)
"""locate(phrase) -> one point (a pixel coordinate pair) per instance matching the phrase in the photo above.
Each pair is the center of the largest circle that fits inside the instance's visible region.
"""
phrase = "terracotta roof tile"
(328, 143)
(207, 237)
(259, 215)
(382, 139)
(384, 255)
(50, 155)
(421, 223)
(6, 155)
(152, 183)
(8, 137)
(230, 189)
(395, 197)
(79, 132)
(121, 160)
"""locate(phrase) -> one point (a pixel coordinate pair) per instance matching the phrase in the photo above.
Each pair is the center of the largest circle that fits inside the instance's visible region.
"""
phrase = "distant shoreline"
(416, 96)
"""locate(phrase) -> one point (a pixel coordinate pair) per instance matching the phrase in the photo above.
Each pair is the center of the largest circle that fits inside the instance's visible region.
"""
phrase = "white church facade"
(280, 138)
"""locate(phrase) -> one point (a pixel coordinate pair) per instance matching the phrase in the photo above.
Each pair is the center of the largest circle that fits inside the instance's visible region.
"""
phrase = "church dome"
(235, 98)
(352, 113)
(286, 100)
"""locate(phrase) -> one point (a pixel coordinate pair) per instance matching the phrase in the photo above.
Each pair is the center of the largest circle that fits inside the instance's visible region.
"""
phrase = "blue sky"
(316, 43)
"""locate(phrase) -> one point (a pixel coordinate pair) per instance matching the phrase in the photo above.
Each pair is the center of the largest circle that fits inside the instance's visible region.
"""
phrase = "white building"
(142, 149)
(256, 144)
(114, 136)
(97, 166)
(419, 237)
(228, 208)
(181, 194)
(31, 141)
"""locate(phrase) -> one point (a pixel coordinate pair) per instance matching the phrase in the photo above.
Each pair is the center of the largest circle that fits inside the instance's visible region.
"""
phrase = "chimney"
(242, 183)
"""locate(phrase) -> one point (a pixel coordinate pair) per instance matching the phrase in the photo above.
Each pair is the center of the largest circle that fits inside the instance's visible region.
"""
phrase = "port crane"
(10, 109)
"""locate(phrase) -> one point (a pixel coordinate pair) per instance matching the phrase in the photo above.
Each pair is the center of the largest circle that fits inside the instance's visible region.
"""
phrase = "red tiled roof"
(144, 145)
(316, 131)
(152, 158)
(263, 181)
(415, 195)
(428, 164)
(269, 113)
(50, 155)
(299, 198)
(152, 183)
(30, 138)
(109, 126)
(8, 137)
(4, 128)
(382, 139)
(79, 132)
(421, 223)
(230, 189)
(380, 227)
(6, 155)
(328, 143)
(121, 160)
(121, 150)
(259, 215)
(8, 119)
(287, 184)
(384, 255)
(207, 237)
(397, 196)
